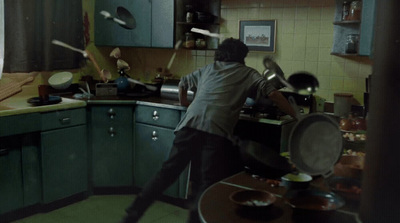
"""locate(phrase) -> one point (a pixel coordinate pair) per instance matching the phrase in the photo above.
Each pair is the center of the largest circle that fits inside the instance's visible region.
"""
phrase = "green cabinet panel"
(157, 116)
(162, 23)
(19, 124)
(112, 146)
(367, 28)
(64, 162)
(31, 175)
(109, 33)
(152, 148)
(11, 195)
(63, 119)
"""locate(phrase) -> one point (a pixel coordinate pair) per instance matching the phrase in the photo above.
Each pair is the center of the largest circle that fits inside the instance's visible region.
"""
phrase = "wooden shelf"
(346, 54)
(347, 22)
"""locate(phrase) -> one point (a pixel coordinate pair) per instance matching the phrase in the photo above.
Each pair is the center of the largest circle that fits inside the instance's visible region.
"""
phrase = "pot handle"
(294, 106)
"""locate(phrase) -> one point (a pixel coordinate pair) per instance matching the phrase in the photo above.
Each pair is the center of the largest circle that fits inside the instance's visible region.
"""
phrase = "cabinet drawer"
(62, 119)
(163, 117)
(112, 114)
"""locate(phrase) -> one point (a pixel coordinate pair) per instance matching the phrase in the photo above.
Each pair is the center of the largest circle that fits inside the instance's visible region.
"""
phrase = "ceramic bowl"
(296, 181)
(252, 198)
(61, 80)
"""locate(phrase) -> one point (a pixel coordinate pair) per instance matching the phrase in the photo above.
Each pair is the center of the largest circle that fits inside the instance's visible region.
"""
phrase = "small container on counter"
(352, 43)
(355, 10)
(201, 43)
(345, 10)
(189, 41)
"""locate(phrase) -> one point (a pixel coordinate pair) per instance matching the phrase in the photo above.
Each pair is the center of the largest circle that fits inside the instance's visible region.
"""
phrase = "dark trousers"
(212, 158)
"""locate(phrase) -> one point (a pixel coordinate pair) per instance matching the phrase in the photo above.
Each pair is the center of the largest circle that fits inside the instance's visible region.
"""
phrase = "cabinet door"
(367, 27)
(112, 146)
(162, 23)
(109, 33)
(31, 169)
(152, 147)
(11, 195)
(64, 162)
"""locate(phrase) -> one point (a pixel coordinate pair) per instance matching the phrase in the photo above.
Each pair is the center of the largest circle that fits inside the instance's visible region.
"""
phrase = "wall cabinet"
(63, 154)
(154, 23)
(112, 146)
(153, 137)
(364, 28)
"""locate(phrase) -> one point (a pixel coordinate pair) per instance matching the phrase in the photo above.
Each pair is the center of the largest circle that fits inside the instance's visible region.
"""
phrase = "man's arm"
(183, 97)
(282, 103)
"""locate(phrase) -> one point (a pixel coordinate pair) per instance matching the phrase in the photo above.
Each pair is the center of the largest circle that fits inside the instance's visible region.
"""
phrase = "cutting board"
(13, 88)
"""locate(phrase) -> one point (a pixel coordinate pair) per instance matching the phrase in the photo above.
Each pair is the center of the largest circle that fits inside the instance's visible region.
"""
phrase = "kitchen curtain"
(30, 26)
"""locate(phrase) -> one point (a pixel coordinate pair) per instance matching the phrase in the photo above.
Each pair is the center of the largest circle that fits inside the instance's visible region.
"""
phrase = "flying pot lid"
(315, 144)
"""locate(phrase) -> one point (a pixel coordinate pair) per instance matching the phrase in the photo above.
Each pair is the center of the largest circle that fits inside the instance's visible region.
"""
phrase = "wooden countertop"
(215, 206)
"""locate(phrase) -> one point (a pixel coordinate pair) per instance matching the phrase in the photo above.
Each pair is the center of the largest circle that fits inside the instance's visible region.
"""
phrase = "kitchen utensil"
(127, 17)
(123, 65)
(272, 69)
(252, 198)
(207, 33)
(59, 43)
(262, 160)
(96, 65)
(315, 144)
(177, 45)
(108, 15)
(296, 180)
(303, 83)
(116, 53)
(106, 74)
(148, 87)
(61, 80)
(13, 88)
(170, 90)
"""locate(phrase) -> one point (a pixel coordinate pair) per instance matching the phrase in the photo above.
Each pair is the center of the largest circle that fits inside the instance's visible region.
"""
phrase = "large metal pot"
(272, 70)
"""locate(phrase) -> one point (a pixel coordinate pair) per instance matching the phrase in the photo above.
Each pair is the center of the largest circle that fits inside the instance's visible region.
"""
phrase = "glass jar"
(352, 43)
(189, 41)
(355, 10)
(345, 10)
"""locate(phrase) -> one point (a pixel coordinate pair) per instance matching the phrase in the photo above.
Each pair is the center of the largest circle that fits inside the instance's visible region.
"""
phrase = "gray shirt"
(221, 88)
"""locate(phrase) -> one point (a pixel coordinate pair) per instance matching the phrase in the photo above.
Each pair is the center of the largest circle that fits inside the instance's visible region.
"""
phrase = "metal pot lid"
(315, 144)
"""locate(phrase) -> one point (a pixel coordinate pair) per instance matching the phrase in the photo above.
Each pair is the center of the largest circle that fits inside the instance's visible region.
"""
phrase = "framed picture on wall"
(258, 35)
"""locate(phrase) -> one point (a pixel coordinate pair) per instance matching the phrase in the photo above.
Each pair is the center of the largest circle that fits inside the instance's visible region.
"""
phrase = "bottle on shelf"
(355, 10)
(345, 10)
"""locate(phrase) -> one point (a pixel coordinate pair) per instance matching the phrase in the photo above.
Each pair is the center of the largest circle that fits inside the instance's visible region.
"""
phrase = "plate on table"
(37, 101)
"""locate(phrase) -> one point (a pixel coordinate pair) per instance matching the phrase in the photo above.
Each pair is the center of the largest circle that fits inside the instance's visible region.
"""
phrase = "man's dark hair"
(231, 50)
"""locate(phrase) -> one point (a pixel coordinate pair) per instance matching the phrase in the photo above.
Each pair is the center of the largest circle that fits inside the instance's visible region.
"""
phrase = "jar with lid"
(189, 13)
(345, 10)
(352, 43)
(189, 41)
(355, 10)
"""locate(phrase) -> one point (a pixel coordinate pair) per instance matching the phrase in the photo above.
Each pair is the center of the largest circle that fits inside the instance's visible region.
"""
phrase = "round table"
(215, 206)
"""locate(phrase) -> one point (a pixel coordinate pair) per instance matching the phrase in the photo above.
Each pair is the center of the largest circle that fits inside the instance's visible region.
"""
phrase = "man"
(204, 137)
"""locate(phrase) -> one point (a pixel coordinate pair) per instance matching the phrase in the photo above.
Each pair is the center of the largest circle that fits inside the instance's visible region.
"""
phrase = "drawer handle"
(3, 152)
(154, 136)
(112, 131)
(111, 112)
(65, 121)
(155, 115)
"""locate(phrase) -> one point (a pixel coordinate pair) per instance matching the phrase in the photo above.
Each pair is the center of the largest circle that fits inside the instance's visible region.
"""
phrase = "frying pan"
(127, 17)
(315, 144)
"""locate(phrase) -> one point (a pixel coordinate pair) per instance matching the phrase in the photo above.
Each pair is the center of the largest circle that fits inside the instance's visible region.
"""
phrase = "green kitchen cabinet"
(153, 137)
(11, 185)
(364, 28)
(64, 160)
(154, 23)
(111, 145)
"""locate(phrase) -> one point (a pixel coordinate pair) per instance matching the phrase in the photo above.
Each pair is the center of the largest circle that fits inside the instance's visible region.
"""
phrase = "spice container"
(355, 10)
(345, 10)
(189, 41)
(352, 43)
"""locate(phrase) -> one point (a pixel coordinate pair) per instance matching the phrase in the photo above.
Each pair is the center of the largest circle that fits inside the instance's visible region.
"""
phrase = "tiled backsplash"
(304, 39)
